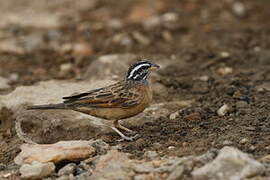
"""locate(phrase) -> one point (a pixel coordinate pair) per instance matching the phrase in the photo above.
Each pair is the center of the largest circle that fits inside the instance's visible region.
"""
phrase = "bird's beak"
(154, 67)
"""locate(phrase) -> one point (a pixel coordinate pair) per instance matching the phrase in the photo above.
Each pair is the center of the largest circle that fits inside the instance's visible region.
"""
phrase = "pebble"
(243, 141)
(174, 115)
(239, 8)
(225, 54)
(67, 169)
(170, 17)
(141, 38)
(203, 78)
(151, 155)
(4, 83)
(224, 70)
(36, 170)
(252, 148)
(267, 147)
(13, 77)
(2, 167)
(223, 110)
(65, 67)
(227, 143)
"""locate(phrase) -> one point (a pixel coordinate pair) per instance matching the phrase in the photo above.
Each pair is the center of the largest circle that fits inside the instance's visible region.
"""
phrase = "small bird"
(118, 101)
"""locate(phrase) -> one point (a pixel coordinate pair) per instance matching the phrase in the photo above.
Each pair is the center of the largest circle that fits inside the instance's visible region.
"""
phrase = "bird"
(118, 101)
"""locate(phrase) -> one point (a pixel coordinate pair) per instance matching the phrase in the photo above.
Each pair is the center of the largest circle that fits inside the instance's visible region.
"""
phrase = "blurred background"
(43, 39)
(212, 53)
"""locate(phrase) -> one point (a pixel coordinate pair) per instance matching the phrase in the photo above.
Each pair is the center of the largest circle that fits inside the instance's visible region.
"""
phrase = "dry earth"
(211, 52)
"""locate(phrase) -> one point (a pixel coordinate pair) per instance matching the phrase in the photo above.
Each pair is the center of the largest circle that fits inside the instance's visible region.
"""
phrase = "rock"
(174, 115)
(225, 54)
(243, 141)
(67, 169)
(63, 150)
(150, 155)
(84, 176)
(2, 167)
(66, 67)
(114, 166)
(229, 164)
(203, 78)
(141, 38)
(4, 83)
(100, 147)
(223, 71)
(36, 170)
(108, 65)
(239, 8)
(177, 173)
(227, 143)
(51, 92)
(223, 110)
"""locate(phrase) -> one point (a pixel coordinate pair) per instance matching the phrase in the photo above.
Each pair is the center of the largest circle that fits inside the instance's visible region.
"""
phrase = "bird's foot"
(126, 138)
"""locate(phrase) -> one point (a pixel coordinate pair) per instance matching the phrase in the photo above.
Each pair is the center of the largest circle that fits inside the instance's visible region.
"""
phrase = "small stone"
(151, 155)
(239, 8)
(4, 83)
(65, 67)
(2, 167)
(115, 24)
(170, 17)
(141, 38)
(36, 170)
(13, 77)
(224, 54)
(267, 147)
(67, 169)
(252, 148)
(82, 49)
(63, 150)
(223, 110)
(174, 115)
(227, 143)
(66, 177)
(171, 147)
(224, 70)
(243, 141)
(203, 78)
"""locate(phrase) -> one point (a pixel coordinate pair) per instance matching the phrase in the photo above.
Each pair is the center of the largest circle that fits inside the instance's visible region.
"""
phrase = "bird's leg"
(118, 125)
(122, 135)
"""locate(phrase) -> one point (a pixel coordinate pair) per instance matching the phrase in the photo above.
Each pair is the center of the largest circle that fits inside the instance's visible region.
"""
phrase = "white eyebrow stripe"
(136, 68)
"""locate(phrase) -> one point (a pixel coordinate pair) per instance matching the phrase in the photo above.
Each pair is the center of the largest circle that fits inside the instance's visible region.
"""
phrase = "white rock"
(36, 170)
(203, 78)
(4, 83)
(223, 110)
(225, 54)
(239, 8)
(230, 164)
(63, 150)
(243, 141)
(174, 115)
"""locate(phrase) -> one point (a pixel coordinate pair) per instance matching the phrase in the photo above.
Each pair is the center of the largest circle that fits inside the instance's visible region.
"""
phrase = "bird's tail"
(47, 106)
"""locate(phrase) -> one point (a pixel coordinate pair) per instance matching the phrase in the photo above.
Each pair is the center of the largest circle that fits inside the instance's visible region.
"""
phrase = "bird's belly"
(114, 113)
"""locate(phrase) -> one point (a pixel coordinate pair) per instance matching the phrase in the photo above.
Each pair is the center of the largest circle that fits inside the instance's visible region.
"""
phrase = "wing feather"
(112, 96)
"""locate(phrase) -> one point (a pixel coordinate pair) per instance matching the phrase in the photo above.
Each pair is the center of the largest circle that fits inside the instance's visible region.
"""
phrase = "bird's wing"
(113, 96)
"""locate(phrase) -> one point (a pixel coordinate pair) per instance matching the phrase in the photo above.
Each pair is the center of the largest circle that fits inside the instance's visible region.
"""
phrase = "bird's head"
(140, 70)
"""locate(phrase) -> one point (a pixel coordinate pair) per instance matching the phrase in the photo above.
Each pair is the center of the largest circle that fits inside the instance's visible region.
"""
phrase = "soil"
(209, 40)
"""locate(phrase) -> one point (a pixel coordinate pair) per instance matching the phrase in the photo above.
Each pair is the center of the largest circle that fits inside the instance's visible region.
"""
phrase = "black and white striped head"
(140, 70)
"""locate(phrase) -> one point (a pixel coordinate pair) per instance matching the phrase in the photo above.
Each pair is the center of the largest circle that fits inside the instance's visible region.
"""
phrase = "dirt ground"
(223, 54)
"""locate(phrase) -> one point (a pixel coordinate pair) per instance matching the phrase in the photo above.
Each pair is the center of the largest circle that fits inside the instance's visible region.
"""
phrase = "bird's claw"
(132, 138)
